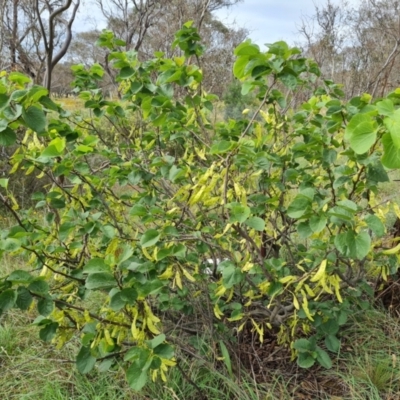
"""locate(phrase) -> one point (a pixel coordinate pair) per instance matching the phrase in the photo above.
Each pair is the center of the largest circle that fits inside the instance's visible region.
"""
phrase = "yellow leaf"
(149, 313)
(296, 303)
(30, 170)
(287, 279)
(167, 274)
(178, 280)
(236, 317)
(201, 154)
(108, 338)
(320, 273)
(187, 275)
(154, 375)
(324, 285)
(260, 330)
(309, 291)
(248, 266)
(179, 61)
(217, 312)
(384, 272)
(146, 253)
(304, 306)
(168, 363)
(241, 327)
(335, 281)
(163, 376)
(229, 296)
(396, 209)
(219, 235)
(152, 327)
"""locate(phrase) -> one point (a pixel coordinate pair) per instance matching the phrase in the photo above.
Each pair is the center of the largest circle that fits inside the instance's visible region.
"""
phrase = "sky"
(267, 20)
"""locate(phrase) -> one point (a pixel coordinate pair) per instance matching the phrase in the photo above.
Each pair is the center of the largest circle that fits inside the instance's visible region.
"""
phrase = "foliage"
(147, 194)
(235, 103)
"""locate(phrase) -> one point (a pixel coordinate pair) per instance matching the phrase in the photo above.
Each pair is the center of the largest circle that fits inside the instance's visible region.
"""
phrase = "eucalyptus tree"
(356, 43)
(35, 35)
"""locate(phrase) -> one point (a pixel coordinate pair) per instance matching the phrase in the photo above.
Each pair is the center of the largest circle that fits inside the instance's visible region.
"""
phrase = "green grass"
(34, 370)
(368, 367)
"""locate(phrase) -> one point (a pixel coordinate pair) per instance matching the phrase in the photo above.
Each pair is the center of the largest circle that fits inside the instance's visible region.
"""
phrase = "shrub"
(269, 222)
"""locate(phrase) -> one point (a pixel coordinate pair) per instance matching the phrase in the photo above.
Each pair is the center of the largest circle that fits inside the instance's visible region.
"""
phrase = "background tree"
(56, 17)
(356, 44)
(35, 35)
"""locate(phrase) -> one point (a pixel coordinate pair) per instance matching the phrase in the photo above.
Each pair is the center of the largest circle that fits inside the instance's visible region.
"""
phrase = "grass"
(368, 367)
(37, 371)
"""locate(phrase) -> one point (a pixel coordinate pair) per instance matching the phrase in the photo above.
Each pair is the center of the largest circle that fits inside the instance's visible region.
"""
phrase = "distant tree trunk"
(55, 16)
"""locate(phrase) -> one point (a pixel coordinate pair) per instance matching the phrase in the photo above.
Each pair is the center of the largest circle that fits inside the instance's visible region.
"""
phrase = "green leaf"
(136, 377)
(4, 183)
(156, 341)
(45, 306)
(117, 302)
(96, 265)
(7, 300)
(238, 212)
(221, 147)
(164, 350)
(7, 137)
(317, 223)
(126, 73)
(84, 360)
(247, 49)
(105, 365)
(361, 132)
(39, 286)
(305, 360)
(231, 275)
(376, 225)
(24, 298)
(304, 230)
(129, 295)
(256, 223)
(48, 332)
(289, 80)
(323, 358)
(239, 66)
(20, 276)
(299, 206)
(332, 343)
(385, 107)
(392, 124)
(353, 245)
(376, 172)
(4, 100)
(34, 118)
(226, 357)
(10, 244)
(348, 205)
(100, 280)
(55, 148)
(138, 353)
(138, 210)
(149, 238)
(19, 78)
(303, 345)
(391, 154)
(124, 251)
(37, 92)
